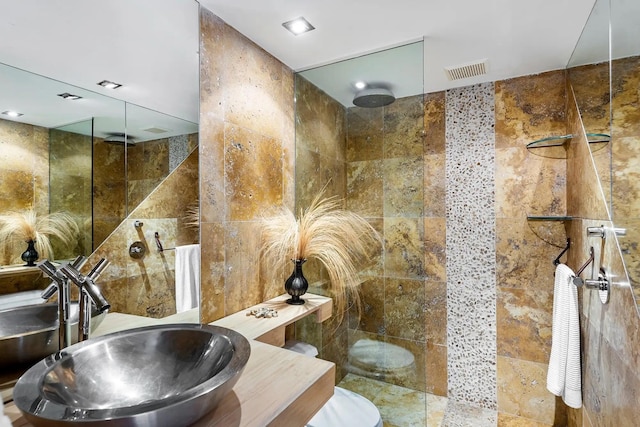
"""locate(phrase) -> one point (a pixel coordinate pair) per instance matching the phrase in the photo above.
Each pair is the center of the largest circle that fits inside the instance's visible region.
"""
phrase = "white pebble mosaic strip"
(471, 249)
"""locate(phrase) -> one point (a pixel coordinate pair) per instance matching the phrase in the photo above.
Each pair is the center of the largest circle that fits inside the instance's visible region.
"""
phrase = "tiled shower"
(483, 299)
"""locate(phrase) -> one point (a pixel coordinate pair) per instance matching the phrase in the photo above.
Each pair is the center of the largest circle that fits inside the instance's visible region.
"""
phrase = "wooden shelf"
(272, 330)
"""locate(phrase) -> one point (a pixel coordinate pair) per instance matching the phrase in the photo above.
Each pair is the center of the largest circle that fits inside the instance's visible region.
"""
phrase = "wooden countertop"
(277, 387)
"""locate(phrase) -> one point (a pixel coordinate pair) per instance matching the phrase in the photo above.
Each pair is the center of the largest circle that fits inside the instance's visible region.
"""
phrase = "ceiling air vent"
(155, 129)
(464, 71)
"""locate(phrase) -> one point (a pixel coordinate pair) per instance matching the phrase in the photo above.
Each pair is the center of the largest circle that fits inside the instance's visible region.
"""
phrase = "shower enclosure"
(386, 161)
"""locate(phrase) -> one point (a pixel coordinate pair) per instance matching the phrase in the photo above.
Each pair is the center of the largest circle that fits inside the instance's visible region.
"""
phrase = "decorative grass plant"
(24, 226)
(341, 240)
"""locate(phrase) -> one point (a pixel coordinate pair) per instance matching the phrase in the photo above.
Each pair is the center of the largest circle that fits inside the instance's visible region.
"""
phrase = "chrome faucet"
(60, 284)
(89, 293)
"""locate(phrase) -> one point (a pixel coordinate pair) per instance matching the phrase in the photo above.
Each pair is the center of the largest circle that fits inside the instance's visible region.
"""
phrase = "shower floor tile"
(398, 406)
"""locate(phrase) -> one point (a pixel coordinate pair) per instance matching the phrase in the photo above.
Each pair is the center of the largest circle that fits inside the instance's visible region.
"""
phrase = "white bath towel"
(187, 277)
(563, 376)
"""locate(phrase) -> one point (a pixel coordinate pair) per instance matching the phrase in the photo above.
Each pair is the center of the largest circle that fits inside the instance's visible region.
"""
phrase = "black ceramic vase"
(296, 285)
(30, 255)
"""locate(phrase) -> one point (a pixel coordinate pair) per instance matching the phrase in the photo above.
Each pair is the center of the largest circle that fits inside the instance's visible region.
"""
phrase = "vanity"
(277, 387)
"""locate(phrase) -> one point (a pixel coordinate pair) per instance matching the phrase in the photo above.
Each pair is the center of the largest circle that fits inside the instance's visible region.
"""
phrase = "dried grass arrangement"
(341, 240)
(24, 226)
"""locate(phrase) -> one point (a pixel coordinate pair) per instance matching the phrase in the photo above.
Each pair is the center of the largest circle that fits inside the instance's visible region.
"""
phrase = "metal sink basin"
(30, 332)
(165, 375)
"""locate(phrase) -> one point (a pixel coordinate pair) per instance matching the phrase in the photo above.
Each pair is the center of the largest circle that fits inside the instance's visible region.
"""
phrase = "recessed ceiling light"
(360, 85)
(69, 96)
(109, 85)
(12, 113)
(298, 26)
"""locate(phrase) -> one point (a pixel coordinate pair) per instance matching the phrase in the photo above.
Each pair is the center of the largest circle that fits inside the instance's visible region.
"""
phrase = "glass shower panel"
(360, 131)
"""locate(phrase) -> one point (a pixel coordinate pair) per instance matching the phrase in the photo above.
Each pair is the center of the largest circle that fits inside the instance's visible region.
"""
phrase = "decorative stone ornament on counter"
(263, 312)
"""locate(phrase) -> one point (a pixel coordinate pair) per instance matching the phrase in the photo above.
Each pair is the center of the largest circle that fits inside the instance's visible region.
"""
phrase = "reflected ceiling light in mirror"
(109, 84)
(360, 85)
(69, 96)
(12, 113)
(298, 26)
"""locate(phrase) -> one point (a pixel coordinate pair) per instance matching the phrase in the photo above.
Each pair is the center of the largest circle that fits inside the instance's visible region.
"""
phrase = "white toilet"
(381, 360)
(345, 408)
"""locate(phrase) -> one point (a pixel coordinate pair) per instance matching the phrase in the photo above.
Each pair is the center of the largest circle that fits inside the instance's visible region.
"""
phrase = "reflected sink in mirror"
(164, 375)
(30, 332)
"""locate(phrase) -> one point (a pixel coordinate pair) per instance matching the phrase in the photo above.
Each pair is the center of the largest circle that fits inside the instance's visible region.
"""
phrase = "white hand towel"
(564, 376)
(187, 277)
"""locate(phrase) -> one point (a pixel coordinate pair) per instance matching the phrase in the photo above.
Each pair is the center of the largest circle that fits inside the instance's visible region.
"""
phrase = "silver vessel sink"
(165, 375)
(29, 333)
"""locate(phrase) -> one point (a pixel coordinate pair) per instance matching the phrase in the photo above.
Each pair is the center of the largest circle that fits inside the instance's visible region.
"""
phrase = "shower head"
(119, 138)
(373, 97)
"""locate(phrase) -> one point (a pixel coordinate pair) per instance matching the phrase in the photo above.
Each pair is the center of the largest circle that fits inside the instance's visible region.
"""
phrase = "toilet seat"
(347, 409)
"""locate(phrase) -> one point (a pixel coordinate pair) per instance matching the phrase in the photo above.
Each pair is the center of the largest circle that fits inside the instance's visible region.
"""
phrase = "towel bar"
(159, 245)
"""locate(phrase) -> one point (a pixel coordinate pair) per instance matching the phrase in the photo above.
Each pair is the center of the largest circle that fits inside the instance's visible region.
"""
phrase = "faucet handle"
(98, 269)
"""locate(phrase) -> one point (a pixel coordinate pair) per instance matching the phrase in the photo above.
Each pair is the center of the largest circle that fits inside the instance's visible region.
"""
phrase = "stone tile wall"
(610, 333)
(246, 162)
(24, 172)
(146, 287)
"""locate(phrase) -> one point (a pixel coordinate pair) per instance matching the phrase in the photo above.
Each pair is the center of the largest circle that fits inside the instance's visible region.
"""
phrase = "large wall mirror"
(104, 161)
(604, 72)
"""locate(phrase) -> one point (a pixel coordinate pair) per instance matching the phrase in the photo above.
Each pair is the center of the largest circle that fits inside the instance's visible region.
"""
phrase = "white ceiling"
(150, 46)
(517, 37)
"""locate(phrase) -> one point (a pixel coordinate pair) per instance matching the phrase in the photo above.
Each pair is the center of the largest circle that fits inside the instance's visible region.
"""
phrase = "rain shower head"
(373, 97)
(119, 138)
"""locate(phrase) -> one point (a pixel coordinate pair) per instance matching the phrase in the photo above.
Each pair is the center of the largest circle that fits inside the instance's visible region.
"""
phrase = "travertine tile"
(253, 173)
(522, 390)
(404, 128)
(365, 134)
(403, 183)
(404, 310)
(434, 123)
(524, 323)
(404, 247)
(530, 108)
(365, 192)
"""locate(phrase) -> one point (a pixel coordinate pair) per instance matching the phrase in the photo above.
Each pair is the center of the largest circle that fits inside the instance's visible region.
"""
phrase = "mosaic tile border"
(471, 247)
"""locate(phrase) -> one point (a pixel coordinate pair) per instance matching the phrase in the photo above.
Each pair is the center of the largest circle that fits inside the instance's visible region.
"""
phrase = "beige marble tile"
(212, 64)
(403, 186)
(434, 185)
(253, 173)
(404, 132)
(436, 369)
(529, 108)
(524, 318)
(241, 280)
(321, 123)
(365, 194)
(211, 160)
(590, 84)
(365, 127)
(404, 308)
(508, 420)
(252, 86)
(373, 306)
(212, 272)
(404, 247)
(528, 184)
(435, 249)
(434, 123)
(522, 390)
(436, 312)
